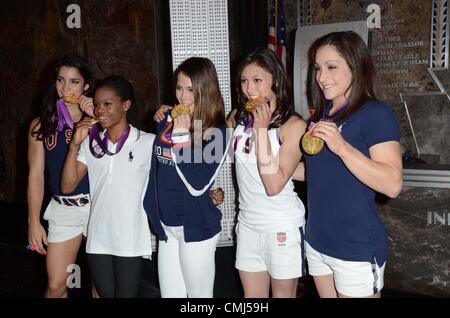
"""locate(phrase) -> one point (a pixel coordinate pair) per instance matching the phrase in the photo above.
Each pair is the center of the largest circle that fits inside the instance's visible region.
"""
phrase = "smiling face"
(109, 107)
(69, 82)
(184, 91)
(333, 74)
(257, 82)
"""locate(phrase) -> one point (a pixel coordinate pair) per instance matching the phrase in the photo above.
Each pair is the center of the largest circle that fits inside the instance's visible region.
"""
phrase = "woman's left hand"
(182, 124)
(262, 116)
(329, 132)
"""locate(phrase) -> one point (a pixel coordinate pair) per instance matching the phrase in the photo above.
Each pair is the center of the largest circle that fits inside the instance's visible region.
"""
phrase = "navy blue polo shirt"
(342, 219)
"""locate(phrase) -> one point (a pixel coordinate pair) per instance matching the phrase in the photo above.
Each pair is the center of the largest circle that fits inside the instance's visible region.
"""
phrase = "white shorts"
(352, 279)
(281, 254)
(66, 222)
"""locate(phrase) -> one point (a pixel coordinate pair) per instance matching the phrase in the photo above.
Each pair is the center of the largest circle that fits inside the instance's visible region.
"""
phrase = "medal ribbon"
(94, 134)
(63, 115)
(328, 107)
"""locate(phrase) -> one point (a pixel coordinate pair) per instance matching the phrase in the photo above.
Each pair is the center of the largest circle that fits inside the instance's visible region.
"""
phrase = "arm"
(73, 171)
(381, 172)
(276, 172)
(35, 189)
(231, 122)
(160, 113)
(299, 173)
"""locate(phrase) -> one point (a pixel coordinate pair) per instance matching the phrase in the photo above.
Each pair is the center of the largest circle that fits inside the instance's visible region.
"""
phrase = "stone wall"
(117, 37)
(418, 220)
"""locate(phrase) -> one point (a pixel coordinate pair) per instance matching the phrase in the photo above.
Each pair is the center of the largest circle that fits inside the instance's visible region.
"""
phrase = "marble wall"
(401, 50)
(117, 37)
(418, 221)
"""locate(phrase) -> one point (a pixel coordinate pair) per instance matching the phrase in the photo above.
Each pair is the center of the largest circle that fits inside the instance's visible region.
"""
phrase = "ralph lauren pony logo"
(130, 156)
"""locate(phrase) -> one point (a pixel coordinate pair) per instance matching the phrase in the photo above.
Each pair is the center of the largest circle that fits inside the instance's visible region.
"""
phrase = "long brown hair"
(209, 105)
(364, 79)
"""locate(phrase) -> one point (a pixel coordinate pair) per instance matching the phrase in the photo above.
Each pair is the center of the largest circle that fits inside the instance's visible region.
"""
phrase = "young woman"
(48, 140)
(269, 231)
(118, 163)
(346, 240)
(188, 153)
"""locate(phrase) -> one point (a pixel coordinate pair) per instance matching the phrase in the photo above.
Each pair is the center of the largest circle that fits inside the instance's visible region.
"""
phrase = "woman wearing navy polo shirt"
(347, 241)
(186, 161)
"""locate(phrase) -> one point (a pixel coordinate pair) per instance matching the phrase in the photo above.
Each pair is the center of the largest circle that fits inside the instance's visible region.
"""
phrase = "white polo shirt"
(118, 223)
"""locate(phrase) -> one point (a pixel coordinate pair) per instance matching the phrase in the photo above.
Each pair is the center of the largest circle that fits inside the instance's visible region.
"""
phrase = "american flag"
(277, 31)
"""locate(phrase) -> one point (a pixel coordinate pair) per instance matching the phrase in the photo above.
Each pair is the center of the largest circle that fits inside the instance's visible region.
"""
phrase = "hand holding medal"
(259, 114)
(326, 129)
(87, 105)
(250, 105)
(102, 143)
(82, 130)
(181, 119)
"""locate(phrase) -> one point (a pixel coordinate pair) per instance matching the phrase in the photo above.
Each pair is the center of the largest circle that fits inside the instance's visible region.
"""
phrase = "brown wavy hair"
(209, 105)
(364, 78)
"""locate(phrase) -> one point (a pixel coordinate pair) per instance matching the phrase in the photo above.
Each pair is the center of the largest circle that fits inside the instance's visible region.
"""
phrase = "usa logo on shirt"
(281, 238)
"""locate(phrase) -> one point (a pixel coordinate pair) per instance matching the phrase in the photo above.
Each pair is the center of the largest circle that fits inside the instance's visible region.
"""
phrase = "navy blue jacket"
(201, 219)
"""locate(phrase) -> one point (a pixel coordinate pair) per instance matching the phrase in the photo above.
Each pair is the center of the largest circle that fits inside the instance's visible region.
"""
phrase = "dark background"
(126, 37)
(130, 38)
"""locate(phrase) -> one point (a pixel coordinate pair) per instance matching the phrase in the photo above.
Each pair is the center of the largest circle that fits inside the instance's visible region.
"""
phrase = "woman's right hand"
(37, 237)
(82, 130)
(161, 112)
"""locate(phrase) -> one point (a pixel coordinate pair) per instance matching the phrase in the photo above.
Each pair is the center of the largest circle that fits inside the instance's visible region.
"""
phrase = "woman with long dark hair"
(48, 140)
(352, 151)
(270, 228)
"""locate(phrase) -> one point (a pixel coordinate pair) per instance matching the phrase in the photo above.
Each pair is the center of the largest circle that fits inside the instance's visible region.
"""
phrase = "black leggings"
(115, 276)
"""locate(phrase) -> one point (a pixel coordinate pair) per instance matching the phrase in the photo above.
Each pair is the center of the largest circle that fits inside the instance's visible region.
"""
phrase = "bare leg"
(284, 288)
(94, 292)
(59, 256)
(255, 284)
(325, 286)
(377, 295)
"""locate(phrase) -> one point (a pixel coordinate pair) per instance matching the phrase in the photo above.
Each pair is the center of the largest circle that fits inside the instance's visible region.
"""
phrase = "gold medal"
(311, 145)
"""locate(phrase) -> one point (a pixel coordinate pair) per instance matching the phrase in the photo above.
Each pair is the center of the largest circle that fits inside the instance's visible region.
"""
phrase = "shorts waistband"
(78, 200)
